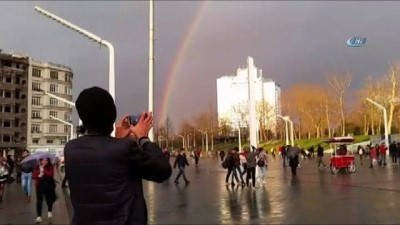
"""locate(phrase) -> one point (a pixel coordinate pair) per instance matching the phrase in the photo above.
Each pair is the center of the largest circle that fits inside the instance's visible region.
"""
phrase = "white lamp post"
(151, 63)
(183, 141)
(93, 37)
(205, 133)
(384, 120)
(67, 123)
(63, 100)
(287, 119)
(286, 129)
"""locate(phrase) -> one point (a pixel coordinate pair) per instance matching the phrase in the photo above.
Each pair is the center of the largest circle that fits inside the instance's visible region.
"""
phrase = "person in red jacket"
(43, 175)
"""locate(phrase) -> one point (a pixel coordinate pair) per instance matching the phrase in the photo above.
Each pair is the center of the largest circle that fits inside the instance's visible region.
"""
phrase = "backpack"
(261, 162)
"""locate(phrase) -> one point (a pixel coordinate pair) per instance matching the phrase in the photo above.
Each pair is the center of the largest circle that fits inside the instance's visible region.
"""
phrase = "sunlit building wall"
(233, 92)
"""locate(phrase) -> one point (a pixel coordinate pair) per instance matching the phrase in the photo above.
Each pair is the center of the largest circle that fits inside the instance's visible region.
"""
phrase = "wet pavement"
(315, 196)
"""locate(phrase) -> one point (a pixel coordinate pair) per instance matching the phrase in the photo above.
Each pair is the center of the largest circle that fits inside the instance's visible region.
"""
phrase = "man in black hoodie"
(182, 162)
(105, 173)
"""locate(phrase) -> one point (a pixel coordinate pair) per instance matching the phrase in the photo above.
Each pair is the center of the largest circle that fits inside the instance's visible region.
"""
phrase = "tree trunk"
(328, 122)
(343, 121)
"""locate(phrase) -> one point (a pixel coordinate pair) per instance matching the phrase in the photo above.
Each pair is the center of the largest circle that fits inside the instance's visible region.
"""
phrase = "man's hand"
(144, 125)
(122, 129)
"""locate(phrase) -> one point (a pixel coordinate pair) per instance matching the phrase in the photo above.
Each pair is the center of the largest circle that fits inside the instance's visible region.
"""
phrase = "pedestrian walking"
(361, 153)
(237, 170)
(43, 174)
(197, 154)
(393, 152)
(293, 155)
(373, 156)
(251, 167)
(284, 155)
(222, 155)
(383, 149)
(181, 161)
(243, 162)
(3, 176)
(11, 166)
(26, 177)
(320, 156)
(230, 162)
(262, 160)
(18, 169)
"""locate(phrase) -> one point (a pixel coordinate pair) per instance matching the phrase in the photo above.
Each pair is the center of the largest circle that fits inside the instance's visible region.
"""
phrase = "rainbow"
(176, 65)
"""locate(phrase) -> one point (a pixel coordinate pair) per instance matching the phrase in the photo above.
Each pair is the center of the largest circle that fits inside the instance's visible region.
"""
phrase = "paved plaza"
(369, 196)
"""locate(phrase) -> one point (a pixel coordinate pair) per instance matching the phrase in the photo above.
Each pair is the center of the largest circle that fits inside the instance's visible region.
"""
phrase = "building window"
(66, 129)
(36, 86)
(8, 79)
(36, 73)
(35, 140)
(63, 141)
(49, 141)
(67, 116)
(6, 123)
(35, 128)
(54, 75)
(7, 109)
(36, 100)
(53, 128)
(7, 94)
(6, 138)
(53, 88)
(67, 90)
(36, 114)
(53, 102)
(68, 77)
(54, 114)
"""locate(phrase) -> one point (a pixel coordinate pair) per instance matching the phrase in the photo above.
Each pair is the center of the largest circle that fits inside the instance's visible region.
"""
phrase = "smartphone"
(134, 119)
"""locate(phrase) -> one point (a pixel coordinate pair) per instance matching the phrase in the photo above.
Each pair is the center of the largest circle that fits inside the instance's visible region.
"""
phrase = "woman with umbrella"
(43, 174)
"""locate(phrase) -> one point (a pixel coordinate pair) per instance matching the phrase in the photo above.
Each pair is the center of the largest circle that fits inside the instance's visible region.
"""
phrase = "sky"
(197, 42)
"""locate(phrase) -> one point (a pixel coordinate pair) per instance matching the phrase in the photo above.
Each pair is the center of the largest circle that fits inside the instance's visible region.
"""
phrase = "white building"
(233, 95)
(55, 79)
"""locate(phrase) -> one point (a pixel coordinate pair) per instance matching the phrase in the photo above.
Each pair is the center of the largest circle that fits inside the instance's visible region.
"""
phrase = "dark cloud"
(291, 41)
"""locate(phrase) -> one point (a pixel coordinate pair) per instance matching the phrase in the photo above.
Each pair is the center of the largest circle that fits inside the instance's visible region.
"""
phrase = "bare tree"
(340, 84)
(394, 74)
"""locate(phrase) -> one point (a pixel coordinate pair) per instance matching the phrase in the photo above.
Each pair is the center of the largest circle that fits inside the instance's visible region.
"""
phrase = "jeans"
(262, 170)
(181, 173)
(27, 183)
(251, 173)
(239, 170)
(231, 170)
(320, 161)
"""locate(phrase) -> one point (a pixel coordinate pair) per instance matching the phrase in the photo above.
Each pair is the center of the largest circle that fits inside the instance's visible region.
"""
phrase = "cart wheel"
(351, 168)
(334, 170)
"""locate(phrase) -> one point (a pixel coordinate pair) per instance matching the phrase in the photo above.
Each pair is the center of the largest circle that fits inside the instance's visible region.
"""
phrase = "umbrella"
(32, 160)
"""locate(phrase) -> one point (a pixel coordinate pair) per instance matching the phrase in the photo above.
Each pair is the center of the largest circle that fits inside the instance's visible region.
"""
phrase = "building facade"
(233, 96)
(46, 77)
(25, 107)
(14, 70)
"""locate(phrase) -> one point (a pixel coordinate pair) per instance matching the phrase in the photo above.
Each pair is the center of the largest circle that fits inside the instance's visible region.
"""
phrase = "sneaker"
(38, 219)
(49, 215)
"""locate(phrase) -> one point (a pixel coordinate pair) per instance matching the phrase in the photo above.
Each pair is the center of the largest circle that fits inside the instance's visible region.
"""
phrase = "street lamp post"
(287, 119)
(67, 123)
(205, 132)
(93, 37)
(384, 120)
(183, 141)
(286, 129)
(151, 62)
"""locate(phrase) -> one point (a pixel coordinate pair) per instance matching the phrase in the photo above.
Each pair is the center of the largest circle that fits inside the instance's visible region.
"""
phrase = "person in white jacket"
(262, 160)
